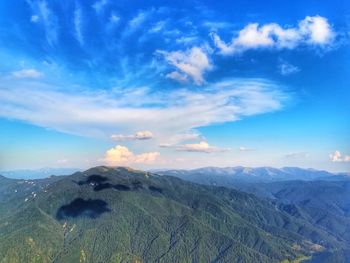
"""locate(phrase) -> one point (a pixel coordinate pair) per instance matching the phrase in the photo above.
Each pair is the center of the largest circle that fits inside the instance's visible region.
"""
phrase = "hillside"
(321, 198)
(123, 215)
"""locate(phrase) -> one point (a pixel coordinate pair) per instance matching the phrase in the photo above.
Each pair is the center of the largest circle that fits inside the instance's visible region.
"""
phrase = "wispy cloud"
(202, 146)
(338, 157)
(245, 149)
(214, 26)
(157, 27)
(140, 135)
(191, 63)
(62, 161)
(34, 18)
(100, 113)
(99, 6)
(182, 78)
(27, 73)
(313, 30)
(78, 16)
(286, 68)
(138, 20)
(48, 19)
(179, 138)
(297, 155)
(114, 19)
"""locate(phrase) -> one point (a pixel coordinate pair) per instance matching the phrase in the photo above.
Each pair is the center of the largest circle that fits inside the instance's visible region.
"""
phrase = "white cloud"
(214, 26)
(140, 135)
(62, 161)
(311, 31)
(286, 68)
(191, 63)
(186, 40)
(78, 25)
(297, 155)
(178, 138)
(316, 30)
(121, 155)
(34, 18)
(146, 158)
(27, 73)
(338, 157)
(202, 146)
(160, 25)
(99, 113)
(99, 6)
(114, 18)
(177, 76)
(245, 149)
(138, 20)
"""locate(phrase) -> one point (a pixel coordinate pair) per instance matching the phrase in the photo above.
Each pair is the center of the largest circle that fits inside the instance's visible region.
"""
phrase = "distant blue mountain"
(38, 173)
(227, 175)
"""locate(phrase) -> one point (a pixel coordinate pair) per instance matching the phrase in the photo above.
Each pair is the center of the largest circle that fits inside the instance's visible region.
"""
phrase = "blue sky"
(169, 84)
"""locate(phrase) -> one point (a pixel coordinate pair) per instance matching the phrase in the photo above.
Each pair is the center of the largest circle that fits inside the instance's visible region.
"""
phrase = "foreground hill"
(123, 215)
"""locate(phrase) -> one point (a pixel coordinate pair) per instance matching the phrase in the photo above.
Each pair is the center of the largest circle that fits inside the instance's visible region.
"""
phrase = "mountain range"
(249, 174)
(118, 214)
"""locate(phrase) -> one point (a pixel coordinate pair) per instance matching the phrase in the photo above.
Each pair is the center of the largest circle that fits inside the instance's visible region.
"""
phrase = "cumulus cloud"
(338, 157)
(146, 158)
(140, 135)
(316, 30)
(121, 155)
(191, 63)
(313, 30)
(27, 73)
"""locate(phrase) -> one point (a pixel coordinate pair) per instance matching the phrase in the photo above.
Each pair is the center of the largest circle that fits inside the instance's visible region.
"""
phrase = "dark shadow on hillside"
(155, 189)
(82, 208)
(137, 185)
(119, 187)
(93, 179)
(101, 187)
(100, 183)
